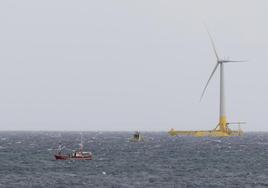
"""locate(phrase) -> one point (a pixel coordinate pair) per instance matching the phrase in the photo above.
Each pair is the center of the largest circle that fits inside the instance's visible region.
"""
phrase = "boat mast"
(81, 142)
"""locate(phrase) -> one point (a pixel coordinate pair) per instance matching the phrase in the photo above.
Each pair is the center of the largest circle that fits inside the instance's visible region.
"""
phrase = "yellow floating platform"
(212, 133)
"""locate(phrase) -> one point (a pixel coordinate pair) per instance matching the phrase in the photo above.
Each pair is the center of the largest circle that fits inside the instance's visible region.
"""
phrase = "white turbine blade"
(212, 42)
(211, 75)
(233, 61)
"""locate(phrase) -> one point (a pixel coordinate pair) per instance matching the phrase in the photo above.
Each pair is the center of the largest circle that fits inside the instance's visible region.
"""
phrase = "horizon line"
(28, 130)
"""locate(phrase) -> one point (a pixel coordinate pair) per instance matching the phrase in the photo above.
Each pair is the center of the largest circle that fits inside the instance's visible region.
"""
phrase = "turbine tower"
(223, 124)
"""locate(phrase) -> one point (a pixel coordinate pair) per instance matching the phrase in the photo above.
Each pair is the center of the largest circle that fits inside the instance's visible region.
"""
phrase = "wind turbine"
(222, 128)
(223, 124)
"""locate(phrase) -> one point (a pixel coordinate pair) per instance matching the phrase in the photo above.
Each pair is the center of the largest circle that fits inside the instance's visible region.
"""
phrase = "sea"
(160, 161)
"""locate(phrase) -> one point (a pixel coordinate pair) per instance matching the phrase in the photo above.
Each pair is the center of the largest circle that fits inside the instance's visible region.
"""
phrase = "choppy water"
(26, 160)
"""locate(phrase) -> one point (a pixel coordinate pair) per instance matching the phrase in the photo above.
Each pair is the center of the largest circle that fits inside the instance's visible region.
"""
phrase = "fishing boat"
(137, 137)
(75, 155)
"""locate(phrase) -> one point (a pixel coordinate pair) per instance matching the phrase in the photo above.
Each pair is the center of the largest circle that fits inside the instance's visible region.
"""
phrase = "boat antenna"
(81, 141)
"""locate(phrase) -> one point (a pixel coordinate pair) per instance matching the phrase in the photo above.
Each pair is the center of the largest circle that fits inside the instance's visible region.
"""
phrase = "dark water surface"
(26, 160)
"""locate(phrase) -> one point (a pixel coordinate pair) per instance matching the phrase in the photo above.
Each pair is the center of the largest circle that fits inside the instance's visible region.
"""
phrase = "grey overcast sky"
(130, 65)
